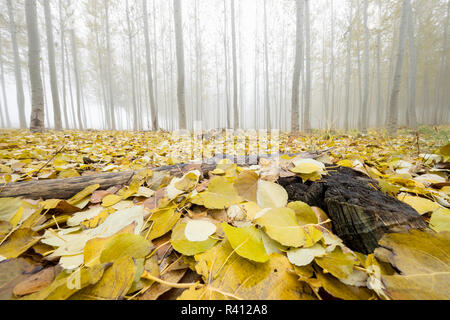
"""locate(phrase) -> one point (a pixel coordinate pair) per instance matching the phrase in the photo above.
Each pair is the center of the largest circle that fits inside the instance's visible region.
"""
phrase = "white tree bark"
(298, 67)
(235, 71)
(180, 64)
(348, 73)
(17, 66)
(307, 110)
(153, 109)
(52, 66)
(34, 66)
(392, 118)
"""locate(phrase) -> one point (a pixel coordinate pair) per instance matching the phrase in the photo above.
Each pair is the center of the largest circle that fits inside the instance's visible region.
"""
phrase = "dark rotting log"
(359, 212)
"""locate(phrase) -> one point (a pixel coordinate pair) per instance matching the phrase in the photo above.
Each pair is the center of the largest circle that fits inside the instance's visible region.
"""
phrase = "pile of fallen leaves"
(227, 234)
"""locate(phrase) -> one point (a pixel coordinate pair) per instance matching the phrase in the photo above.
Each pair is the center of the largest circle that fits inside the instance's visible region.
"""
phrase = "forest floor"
(228, 234)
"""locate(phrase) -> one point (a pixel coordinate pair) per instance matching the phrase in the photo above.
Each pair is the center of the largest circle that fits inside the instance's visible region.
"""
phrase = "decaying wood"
(68, 187)
(359, 212)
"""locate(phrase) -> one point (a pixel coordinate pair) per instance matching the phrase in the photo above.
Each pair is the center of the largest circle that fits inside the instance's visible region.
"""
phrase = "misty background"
(345, 54)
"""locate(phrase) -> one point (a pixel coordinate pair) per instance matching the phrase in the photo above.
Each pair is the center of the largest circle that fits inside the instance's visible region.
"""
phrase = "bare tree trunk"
(235, 71)
(153, 109)
(332, 109)
(365, 104)
(225, 46)
(17, 66)
(439, 103)
(34, 56)
(52, 66)
(77, 77)
(358, 52)
(411, 113)
(110, 81)
(348, 73)
(324, 77)
(298, 67)
(266, 60)
(63, 69)
(133, 80)
(306, 114)
(392, 118)
(5, 99)
(180, 64)
(256, 82)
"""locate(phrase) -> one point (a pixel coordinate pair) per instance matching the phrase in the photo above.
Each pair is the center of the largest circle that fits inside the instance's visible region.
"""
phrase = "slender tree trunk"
(77, 77)
(412, 116)
(306, 114)
(439, 103)
(235, 71)
(133, 80)
(5, 98)
(153, 109)
(110, 80)
(44, 90)
(34, 56)
(365, 104)
(63, 71)
(256, 88)
(17, 66)
(180, 64)
(52, 66)
(332, 110)
(266, 63)
(225, 46)
(358, 53)
(298, 67)
(348, 73)
(155, 77)
(379, 106)
(69, 77)
(324, 77)
(392, 118)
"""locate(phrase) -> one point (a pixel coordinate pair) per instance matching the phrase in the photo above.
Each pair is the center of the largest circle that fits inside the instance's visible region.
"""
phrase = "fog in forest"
(165, 64)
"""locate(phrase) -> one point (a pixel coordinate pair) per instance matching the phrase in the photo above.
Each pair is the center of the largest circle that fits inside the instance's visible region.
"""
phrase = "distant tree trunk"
(324, 77)
(411, 113)
(34, 56)
(218, 107)
(392, 118)
(306, 114)
(77, 77)
(69, 77)
(155, 78)
(348, 73)
(5, 99)
(225, 46)
(44, 90)
(439, 103)
(331, 111)
(256, 82)
(153, 109)
(17, 66)
(358, 53)
(133, 80)
(365, 104)
(63, 69)
(180, 64)
(52, 66)
(298, 67)
(110, 80)
(235, 71)
(266, 63)
(379, 106)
